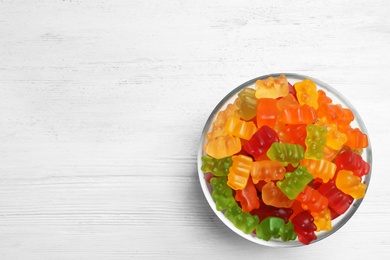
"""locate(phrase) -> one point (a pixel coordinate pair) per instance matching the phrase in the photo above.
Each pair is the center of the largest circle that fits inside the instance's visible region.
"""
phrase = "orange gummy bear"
(239, 172)
(273, 196)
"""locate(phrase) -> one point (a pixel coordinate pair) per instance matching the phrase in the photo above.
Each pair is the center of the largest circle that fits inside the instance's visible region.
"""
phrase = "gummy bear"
(322, 169)
(280, 129)
(296, 115)
(350, 184)
(286, 101)
(335, 139)
(294, 182)
(272, 87)
(323, 220)
(297, 134)
(266, 211)
(304, 227)
(239, 172)
(338, 200)
(348, 160)
(247, 103)
(220, 122)
(335, 114)
(248, 197)
(287, 232)
(223, 146)
(259, 143)
(273, 196)
(355, 138)
(222, 194)
(323, 99)
(315, 141)
(329, 153)
(219, 167)
(286, 153)
(275, 227)
(240, 128)
(242, 220)
(267, 170)
(307, 93)
(266, 112)
(312, 200)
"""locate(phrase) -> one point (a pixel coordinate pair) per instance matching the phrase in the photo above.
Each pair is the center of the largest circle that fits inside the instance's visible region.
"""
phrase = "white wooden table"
(102, 104)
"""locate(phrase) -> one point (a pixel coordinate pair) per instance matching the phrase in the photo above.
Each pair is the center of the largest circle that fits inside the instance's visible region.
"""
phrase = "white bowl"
(337, 99)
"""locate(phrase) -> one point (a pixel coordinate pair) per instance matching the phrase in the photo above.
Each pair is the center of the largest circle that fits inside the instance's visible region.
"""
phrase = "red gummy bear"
(304, 227)
(337, 200)
(351, 161)
(266, 211)
(261, 141)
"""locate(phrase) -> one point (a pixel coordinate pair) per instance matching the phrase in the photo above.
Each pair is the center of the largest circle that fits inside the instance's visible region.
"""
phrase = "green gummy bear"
(294, 182)
(242, 220)
(218, 167)
(315, 141)
(222, 193)
(286, 153)
(274, 227)
(287, 232)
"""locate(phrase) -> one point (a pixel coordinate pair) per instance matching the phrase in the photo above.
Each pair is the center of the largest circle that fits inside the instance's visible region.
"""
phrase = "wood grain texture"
(102, 104)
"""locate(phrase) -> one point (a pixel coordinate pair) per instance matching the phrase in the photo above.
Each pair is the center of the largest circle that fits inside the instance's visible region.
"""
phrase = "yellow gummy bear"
(272, 87)
(307, 93)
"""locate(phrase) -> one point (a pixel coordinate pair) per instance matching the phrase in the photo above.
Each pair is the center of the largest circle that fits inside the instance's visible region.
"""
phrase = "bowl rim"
(277, 242)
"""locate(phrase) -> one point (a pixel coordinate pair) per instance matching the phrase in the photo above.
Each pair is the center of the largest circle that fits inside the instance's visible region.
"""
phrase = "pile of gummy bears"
(283, 160)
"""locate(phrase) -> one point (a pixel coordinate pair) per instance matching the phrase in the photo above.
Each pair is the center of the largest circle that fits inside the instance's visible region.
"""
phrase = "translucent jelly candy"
(286, 101)
(222, 194)
(259, 143)
(240, 128)
(286, 153)
(248, 197)
(335, 114)
(283, 160)
(334, 138)
(267, 112)
(312, 200)
(267, 171)
(296, 115)
(273, 196)
(218, 167)
(242, 220)
(323, 169)
(223, 146)
(307, 93)
(272, 87)
(275, 227)
(315, 142)
(349, 160)
(247, 104)
(355, 138)
(304, 227)
(294, 182)
(266, 211)
(239, 172)
(350, 184)
(297, 134)
(323, 220)
(338, 200)
(218, 126)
